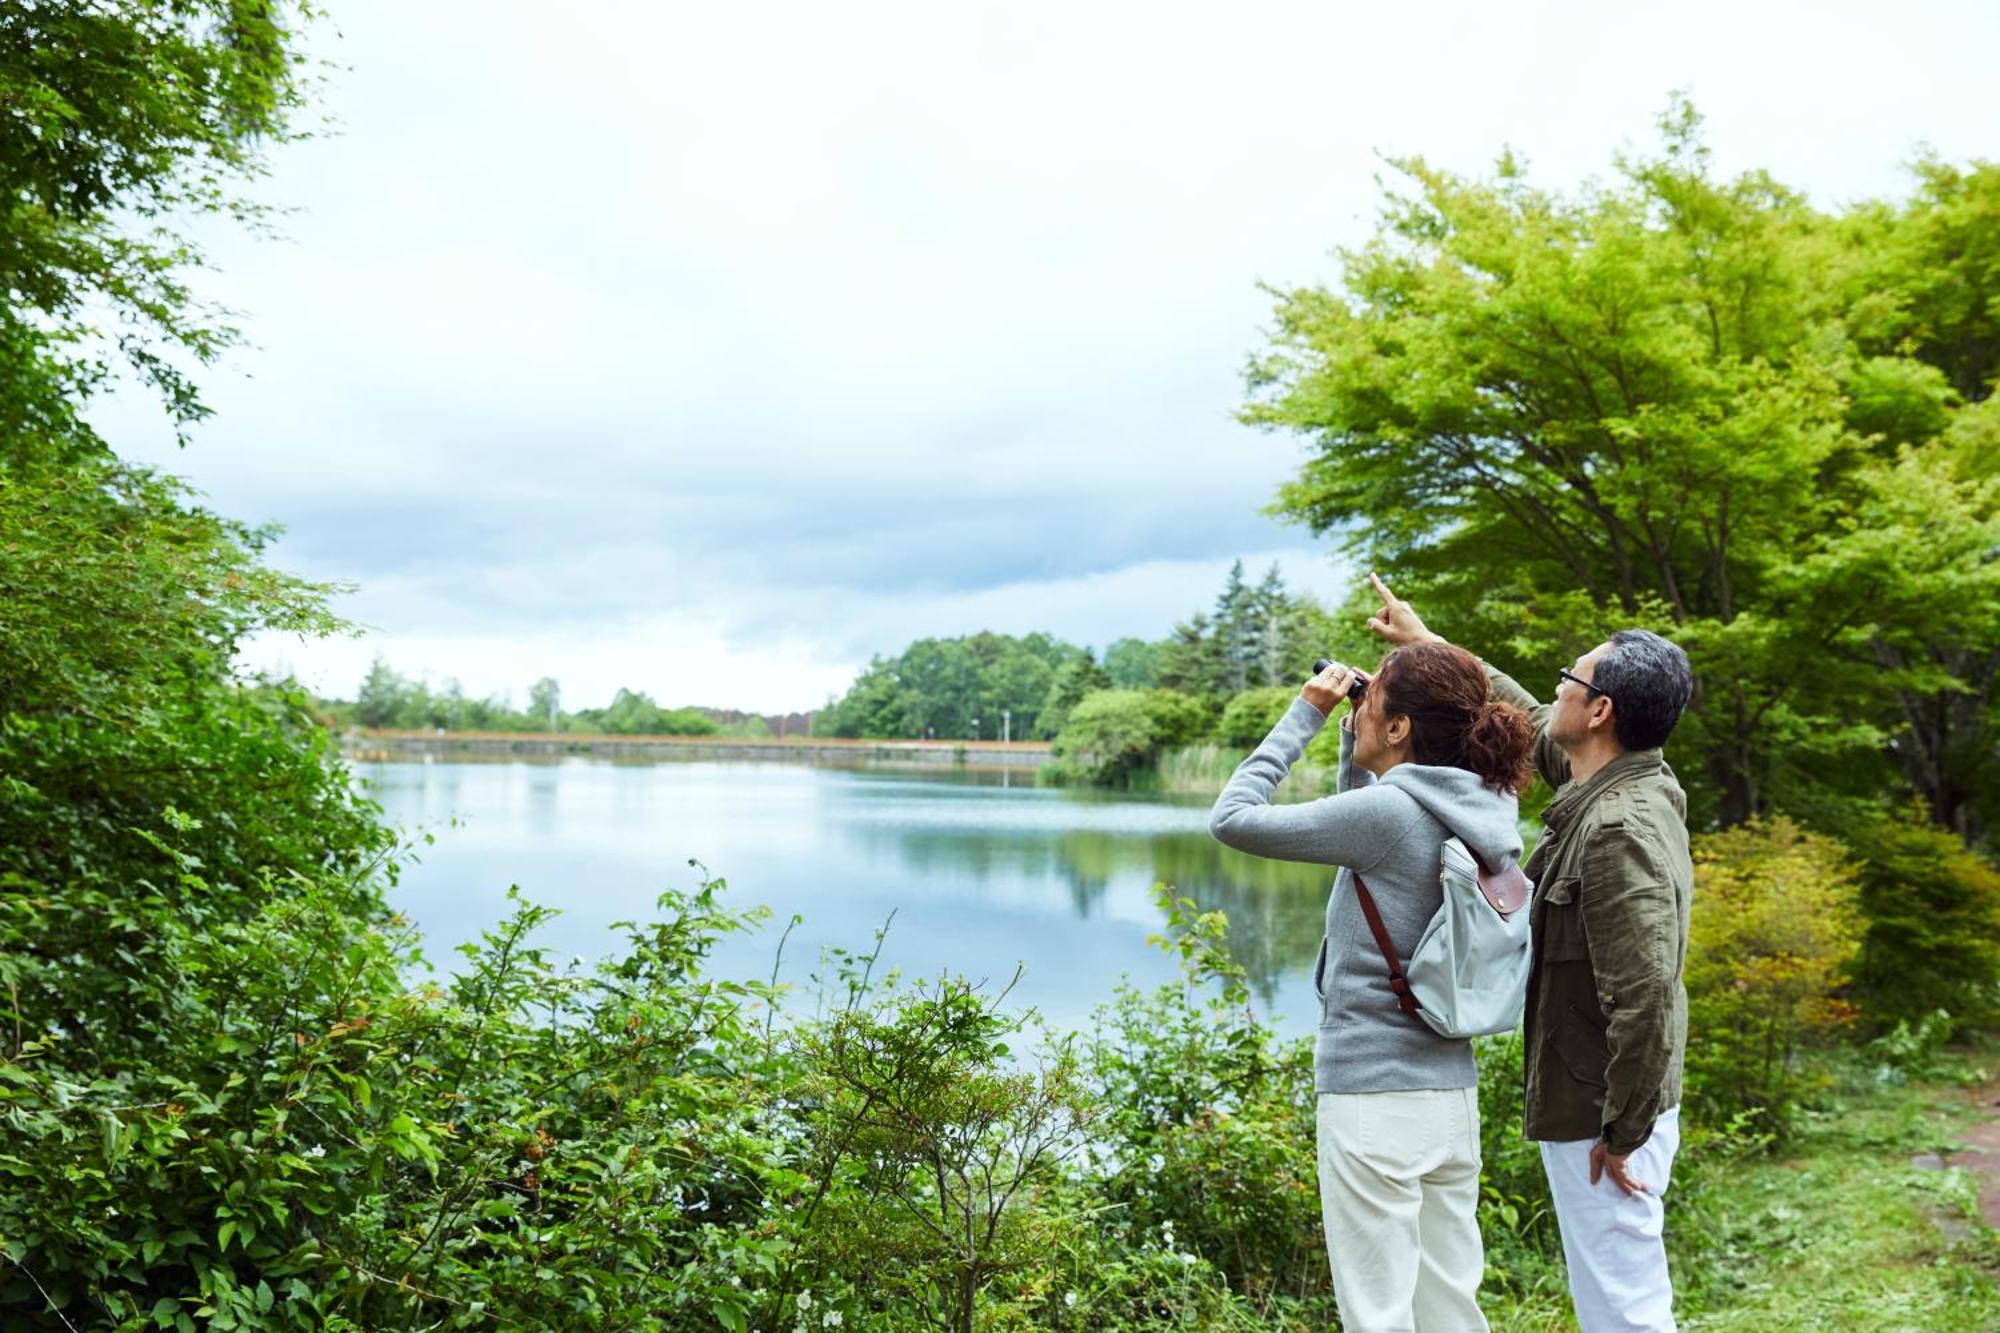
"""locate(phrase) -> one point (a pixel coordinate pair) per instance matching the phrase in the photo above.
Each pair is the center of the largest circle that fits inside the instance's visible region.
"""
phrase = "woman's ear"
(1398, 730)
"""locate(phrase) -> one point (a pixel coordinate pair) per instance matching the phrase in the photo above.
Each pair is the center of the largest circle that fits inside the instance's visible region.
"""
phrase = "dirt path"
(1980, 1154)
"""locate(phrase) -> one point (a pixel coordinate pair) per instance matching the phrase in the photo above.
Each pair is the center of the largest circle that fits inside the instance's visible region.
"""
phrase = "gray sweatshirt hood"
(1486, 821)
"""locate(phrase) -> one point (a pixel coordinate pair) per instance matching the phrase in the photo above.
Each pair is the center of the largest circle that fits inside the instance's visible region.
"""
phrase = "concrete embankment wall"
(385, 745)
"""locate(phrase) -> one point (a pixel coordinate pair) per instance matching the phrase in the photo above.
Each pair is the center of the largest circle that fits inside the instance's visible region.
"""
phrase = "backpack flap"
(1507, 889)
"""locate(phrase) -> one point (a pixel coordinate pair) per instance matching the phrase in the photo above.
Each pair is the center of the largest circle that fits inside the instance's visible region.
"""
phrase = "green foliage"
(1517, 1220)
(390, 700)
(1904, 1052)
(1073, 680)
(1131, 664)
(952, 688)
(545, 703)
(1248, 717)
(1693, 404)
(634, 714)
(1208, 1122)
(932, 1165)
(320, 1145)
(1775, 926)
(1933, 926)
(115, 113)
(120, 726)
(1113, 734)
(1257, 635)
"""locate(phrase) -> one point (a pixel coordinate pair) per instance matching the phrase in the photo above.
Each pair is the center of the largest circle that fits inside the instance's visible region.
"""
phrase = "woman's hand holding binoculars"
(1332, 683)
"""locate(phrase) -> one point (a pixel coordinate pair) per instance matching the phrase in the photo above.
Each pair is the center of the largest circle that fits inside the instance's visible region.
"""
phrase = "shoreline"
(383, 745)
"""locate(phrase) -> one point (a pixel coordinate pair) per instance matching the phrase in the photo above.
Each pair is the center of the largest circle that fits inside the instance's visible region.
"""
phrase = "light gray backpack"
(1469, 974)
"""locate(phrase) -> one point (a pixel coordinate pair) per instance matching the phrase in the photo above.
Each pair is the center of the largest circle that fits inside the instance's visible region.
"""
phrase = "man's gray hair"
(1649, 681)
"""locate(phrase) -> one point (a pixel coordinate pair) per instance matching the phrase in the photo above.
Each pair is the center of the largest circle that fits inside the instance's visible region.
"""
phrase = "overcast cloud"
(709, 349)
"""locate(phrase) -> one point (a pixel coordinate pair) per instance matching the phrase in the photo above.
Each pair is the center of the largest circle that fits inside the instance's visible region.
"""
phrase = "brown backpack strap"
(1397, 981)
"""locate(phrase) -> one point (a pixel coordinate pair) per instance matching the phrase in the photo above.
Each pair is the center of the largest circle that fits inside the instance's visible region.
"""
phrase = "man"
(1606, 1020)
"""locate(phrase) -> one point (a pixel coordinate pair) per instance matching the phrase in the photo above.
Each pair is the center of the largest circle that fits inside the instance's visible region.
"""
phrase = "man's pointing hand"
(1397, 621)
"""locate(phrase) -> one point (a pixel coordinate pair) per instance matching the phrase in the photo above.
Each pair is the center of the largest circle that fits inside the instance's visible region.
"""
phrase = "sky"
(708, 350)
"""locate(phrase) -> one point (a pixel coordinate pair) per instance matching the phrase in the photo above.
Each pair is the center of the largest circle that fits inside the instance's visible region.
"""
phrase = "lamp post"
(1006, 724)
(975, 728)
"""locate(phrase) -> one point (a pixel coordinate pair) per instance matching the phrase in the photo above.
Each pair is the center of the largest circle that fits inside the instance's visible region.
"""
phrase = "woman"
(1427, 754)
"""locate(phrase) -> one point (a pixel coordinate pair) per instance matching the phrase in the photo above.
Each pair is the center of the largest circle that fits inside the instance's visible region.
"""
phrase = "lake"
(983, 870)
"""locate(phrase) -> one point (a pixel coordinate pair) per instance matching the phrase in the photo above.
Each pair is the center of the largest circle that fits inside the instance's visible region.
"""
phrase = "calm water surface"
(982, 870)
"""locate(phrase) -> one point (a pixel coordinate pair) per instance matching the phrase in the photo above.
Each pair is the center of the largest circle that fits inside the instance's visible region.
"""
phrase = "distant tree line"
(388, 699)
(1223, 675)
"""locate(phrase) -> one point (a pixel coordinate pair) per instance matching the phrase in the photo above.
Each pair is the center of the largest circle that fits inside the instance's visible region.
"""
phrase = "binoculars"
(1354, 691)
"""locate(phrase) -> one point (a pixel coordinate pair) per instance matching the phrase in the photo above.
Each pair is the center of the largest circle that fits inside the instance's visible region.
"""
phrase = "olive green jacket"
(1606, 1020)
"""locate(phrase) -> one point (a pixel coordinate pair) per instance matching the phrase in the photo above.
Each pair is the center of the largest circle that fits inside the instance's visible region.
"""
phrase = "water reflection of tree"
(1082, 860)
(1275, 908)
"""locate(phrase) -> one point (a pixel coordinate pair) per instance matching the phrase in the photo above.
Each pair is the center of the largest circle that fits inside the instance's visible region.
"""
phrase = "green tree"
(874, 705)
(1190, 660)
(1554, 415)
(941, 678)
(545, 704)
(1015, 682)
(1240, 628)
(1072, 682)
(1249, 716)
(1933, 932)
(633, 713)
(938, 687)
(116, 113)
(382, 698)
(1130, 663)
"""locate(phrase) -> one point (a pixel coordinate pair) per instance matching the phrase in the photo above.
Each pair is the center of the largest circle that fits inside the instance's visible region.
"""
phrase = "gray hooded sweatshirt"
(1392, 832)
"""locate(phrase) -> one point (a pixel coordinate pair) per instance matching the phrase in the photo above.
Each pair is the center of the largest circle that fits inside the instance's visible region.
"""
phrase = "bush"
(1907, 1052)
(1775, 924)
(323, 1147)
(1933, 927)
(635, 714)
(1516, 1214)
(1207, 1136)
(1248, 717)
(1111, 735)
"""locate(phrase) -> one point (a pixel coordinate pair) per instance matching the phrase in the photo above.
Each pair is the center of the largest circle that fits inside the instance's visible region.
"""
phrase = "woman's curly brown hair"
(1454, 719)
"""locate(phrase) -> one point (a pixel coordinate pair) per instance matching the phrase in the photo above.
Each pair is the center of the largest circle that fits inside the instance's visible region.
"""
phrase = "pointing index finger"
(1382, 589)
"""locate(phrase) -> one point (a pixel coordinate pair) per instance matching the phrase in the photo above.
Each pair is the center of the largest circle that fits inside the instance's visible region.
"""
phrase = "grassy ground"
(1838, 1231)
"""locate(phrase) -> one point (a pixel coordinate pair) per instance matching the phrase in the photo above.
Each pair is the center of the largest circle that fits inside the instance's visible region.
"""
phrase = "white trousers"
(1399, 1189)
(1614, 1243)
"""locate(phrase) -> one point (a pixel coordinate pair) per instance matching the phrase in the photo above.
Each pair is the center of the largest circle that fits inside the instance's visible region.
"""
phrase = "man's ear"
(1602, 717)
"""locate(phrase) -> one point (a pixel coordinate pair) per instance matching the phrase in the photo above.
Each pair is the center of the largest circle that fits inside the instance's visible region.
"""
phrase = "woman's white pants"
(1399, 1189)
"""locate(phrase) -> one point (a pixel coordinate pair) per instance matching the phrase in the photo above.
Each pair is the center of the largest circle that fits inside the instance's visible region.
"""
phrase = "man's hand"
(1397, 621)
(1604, 1162)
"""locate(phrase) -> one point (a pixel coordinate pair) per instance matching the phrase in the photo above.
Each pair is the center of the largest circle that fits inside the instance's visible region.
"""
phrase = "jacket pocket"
(1560, 934)
(1580, 1044)
(1319, 972)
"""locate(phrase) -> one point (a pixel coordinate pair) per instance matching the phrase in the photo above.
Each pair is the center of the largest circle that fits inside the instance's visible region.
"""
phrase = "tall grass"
(1201, 770)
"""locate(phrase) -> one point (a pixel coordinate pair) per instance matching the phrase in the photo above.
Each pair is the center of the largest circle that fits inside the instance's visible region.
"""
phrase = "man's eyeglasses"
(1563, 674)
